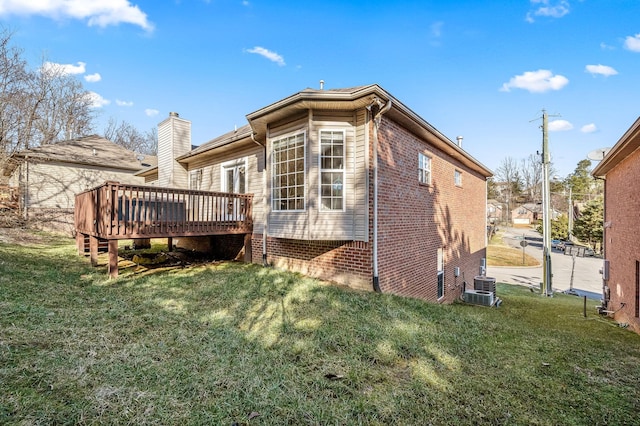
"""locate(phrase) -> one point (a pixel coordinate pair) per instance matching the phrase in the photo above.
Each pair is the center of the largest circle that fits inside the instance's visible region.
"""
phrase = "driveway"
(583, 276)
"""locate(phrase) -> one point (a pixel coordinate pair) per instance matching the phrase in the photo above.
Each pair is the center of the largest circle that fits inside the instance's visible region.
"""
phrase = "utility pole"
(570, 231)
(546, 211)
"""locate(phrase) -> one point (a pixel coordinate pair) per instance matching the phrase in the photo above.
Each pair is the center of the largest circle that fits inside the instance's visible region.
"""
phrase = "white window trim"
(440, 271)
(422, 155)
(228, 164)
(271, 150)
(457, 178)
(343, 170)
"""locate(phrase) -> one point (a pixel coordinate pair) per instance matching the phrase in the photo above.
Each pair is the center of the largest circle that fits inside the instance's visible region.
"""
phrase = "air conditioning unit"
(479, 297)
(484, 283)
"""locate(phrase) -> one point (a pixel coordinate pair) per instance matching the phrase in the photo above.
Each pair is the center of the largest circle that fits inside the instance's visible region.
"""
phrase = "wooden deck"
(115, 211)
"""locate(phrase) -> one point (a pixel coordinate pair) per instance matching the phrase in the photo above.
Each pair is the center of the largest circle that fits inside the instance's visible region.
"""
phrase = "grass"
(499, 254)
(232, 343)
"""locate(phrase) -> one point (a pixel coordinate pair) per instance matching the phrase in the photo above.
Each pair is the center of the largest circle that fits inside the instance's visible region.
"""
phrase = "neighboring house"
(620, 170)
(349, 185)
(526, 214)
(49, 176)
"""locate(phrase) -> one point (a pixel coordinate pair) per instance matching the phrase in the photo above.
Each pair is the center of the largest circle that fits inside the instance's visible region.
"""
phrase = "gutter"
(376, 114)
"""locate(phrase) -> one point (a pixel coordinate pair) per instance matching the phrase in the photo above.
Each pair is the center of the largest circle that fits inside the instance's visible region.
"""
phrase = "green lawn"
(229, 343)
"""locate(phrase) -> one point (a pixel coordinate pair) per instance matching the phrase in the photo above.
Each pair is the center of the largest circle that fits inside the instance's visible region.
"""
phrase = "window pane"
(288, 168)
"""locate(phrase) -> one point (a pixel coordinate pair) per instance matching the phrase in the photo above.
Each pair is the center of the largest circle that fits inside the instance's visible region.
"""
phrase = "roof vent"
(459, 139)
(174, 114)
(321, 84)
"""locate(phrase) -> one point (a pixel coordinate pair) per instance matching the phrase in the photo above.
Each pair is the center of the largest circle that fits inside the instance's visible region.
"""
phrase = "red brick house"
(620, 170)
(348, 185)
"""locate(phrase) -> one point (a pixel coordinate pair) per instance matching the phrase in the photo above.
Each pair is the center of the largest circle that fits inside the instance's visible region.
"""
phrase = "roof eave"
(626, 145)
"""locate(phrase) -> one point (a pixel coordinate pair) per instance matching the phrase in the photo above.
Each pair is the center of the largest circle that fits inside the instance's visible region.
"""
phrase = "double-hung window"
(332, 169)
(457, 178)
(288, 160)
(424, 169)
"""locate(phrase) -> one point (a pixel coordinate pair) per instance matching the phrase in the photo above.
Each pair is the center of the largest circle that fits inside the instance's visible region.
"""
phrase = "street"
(586, 279)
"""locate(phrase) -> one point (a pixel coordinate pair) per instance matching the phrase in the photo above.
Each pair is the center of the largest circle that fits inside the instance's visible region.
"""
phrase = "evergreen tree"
(589, 226)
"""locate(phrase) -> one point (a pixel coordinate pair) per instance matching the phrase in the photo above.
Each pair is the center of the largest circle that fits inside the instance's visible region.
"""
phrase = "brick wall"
(622, 246)
(416, 219)
(344, 262)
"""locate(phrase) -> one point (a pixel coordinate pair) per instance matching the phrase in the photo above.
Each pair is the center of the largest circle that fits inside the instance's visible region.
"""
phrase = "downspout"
(265, 204)
(605, 283)
(376, 109)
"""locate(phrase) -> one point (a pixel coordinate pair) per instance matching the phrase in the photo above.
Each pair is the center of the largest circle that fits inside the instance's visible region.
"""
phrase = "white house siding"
(314, 224)
(174, 140)
(54, 185)
(253, 155)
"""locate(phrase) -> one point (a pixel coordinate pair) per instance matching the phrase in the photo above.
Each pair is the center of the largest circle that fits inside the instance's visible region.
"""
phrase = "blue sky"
(481, 69)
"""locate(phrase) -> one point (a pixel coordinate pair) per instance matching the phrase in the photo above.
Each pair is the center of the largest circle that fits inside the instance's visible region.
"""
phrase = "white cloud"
(589, 128)
(536, 82)
(96, 100)
(601, 69)
(560, 126)
(272, 56)
(548, 8)
(436, 29)
(93, 78)
(605, 46)
(101, 13)
(150, 112)
(633, 43)
(53, 68)
(124, 103)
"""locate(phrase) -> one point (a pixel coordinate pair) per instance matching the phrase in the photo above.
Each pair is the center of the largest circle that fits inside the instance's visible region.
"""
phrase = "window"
(424, 169)
(233, 178)
(331, 170)
(457, 177)
(288, 160)
(440, 262)
(234, 181)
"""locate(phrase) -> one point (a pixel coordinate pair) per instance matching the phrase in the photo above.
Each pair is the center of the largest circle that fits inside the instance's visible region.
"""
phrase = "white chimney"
(174, 140)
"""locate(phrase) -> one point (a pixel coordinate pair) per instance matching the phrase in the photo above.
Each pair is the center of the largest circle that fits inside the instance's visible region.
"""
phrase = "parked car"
(554, 243)
(563, 245)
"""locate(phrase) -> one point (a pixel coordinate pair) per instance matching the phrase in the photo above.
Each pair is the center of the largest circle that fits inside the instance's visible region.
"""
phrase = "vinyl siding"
(174, 140)
(313, 223)
(253, 155)
(54, 185)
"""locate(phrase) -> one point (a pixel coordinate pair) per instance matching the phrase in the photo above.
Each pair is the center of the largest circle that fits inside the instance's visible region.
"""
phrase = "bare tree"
(531, 173)
(64, 106)
(14, 81)
(126, 135)
(38, 106)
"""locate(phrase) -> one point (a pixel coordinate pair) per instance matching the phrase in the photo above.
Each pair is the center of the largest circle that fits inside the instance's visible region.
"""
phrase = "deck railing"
(117, 211)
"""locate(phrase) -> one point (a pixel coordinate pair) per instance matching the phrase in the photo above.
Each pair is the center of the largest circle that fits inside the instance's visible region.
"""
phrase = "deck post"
(248, 252)
(80, 243)
(170, 243)
(93, 250)
(113, 259)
